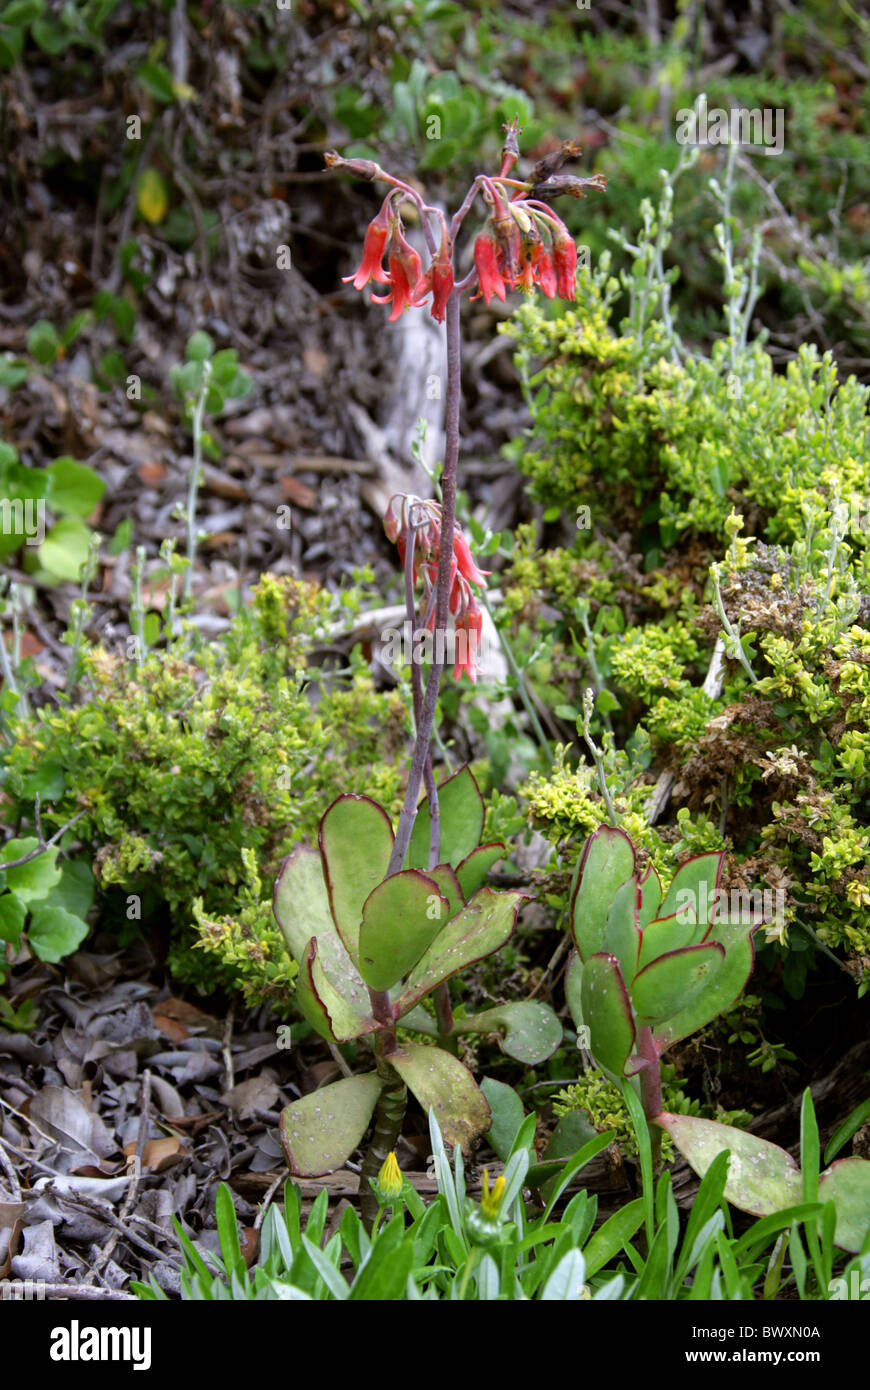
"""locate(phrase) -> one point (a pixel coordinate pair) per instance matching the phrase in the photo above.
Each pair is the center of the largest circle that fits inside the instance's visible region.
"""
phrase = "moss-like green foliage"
(198, 770)
(709, 498)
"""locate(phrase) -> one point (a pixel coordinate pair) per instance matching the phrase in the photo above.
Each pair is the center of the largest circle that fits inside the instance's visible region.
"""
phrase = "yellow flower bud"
(490, 1200)
(389, 1182)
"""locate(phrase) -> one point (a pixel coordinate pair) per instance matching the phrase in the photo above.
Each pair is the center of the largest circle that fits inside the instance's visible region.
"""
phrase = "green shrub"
(674, 453)
(197, 771)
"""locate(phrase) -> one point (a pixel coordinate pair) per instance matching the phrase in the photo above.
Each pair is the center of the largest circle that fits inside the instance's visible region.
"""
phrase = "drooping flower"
(565, 258)
(468, 629)
(467, 566)
(486, 260)
(438, 281)
(545, 269)
(376, 238)
(405, 274)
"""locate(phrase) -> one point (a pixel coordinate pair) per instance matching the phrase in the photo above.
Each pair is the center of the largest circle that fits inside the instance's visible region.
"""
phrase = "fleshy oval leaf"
(762, 1177)
(445, 1084)
(460, 808)
(607, 1012)
(401, 918)
(673, 981)
(320, 1132)
(356, 841)
(608, 859)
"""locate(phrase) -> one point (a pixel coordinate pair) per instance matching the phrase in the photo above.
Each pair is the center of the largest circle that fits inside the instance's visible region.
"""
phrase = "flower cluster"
(523, 243)
(420, 520)
(385, 235)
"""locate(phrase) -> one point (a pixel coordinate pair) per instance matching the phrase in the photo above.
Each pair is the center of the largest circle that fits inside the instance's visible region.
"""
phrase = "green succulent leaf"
(532, 1032)
(608, 859)
(321, 1131)
(574, 989)
(651, 896)
(721, 992)
(445, 1084)
(483, 925)
(460, 807)
(447, 881)
(622, 933)
(673, 981)
(847, 1184)
(663, 935)
(762, 1177)
(473, 870)
(341, 1001)
(356, 841)
(401, 918)
(507, 1115)
(693, 888)
(300, 901)
(606, 1008)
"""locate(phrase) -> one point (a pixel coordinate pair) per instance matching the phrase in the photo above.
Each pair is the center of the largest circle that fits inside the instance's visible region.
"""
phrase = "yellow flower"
(489, 1201)
(389, 1183)
(858, 893)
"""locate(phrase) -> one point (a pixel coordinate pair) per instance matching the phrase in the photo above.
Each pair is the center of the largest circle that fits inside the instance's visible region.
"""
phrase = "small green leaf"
(200, 346)
(43, 342)
(54, 933)
(36, 878)
(321, 1131)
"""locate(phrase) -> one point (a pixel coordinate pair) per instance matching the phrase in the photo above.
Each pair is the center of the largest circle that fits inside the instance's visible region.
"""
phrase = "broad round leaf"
(762, 1177)
(356, 841)
(674, 980)
(443, 1083)
(401, 917)
(54, 933)
(321, 1131)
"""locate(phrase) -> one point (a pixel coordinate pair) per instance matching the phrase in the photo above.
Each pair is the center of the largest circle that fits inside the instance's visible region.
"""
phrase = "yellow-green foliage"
(200, 766)
(673, 453)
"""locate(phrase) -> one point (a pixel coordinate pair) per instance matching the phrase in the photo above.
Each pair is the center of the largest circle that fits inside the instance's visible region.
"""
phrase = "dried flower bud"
(363, 168)
(560, 184)
(552, 162)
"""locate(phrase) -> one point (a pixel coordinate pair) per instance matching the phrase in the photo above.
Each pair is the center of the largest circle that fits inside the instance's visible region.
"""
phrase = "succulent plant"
(370, 948)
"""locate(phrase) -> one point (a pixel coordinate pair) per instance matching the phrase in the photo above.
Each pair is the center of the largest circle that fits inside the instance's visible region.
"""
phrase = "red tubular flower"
(486, 260)
(545, 269)
(405, 273)
(467, 567)
(565, 257)
(438, 281)
(377, 236)
(468, 629)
